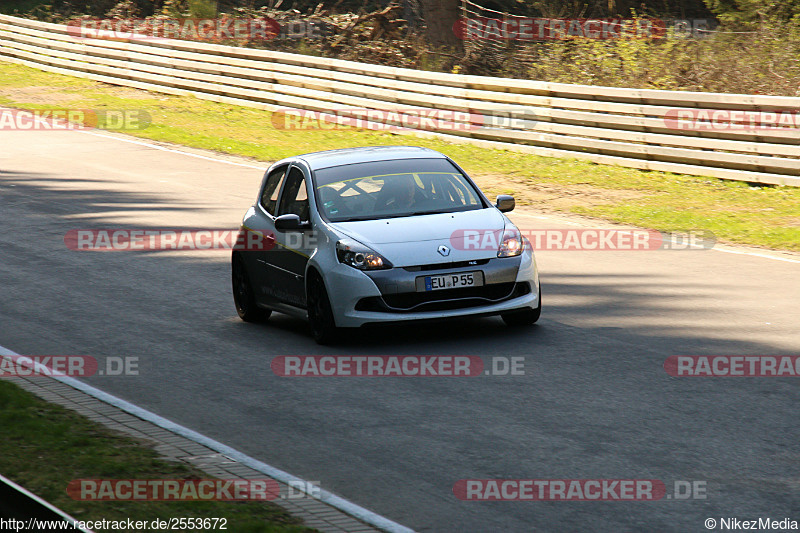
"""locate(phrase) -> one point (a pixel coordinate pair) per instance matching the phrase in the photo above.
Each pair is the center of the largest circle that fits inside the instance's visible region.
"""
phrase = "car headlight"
(359, 256)
(512, 244)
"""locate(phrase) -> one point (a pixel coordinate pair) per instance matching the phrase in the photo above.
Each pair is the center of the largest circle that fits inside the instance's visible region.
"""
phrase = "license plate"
(450, 281)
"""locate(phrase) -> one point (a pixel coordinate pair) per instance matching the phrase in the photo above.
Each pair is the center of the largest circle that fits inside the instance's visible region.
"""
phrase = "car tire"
(525, 317)
(320, 313)
(243, 295)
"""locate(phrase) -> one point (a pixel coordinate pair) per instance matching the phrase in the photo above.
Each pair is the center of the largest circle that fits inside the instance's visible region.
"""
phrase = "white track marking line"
(343, 505)
(737, 252)
(131, 141)
(172, 150)
(715, 248)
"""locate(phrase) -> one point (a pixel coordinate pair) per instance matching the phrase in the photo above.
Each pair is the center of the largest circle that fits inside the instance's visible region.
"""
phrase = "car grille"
(443, 300)
(446, 266)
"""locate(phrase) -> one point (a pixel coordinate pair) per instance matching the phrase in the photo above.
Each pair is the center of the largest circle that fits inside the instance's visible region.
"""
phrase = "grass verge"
(45, 446)
(735, 212)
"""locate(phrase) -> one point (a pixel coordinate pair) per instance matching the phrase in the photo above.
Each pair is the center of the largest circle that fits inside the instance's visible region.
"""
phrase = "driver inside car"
(400, 193)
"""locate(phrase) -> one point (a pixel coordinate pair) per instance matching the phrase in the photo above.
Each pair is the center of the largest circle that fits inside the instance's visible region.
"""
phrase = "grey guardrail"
(20, 504)
(639, 128)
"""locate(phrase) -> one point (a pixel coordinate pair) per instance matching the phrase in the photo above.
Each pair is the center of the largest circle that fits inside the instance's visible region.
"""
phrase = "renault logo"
(444, 250)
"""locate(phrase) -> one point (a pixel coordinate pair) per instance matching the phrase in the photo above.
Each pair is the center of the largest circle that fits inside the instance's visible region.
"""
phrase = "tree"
(440, 16)
(745, 11)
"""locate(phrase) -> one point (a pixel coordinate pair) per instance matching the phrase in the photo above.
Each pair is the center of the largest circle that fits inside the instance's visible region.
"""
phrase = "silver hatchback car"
(381, 234)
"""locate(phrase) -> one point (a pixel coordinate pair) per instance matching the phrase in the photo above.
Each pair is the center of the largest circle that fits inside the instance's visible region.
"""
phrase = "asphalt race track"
(595, 401)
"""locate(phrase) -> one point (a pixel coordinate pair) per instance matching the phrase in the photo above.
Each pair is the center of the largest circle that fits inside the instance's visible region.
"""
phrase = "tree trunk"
(440, 16)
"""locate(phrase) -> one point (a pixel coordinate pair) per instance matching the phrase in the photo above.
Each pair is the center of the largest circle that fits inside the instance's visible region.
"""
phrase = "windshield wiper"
(415, 213)
(355, 219)
(398, 215)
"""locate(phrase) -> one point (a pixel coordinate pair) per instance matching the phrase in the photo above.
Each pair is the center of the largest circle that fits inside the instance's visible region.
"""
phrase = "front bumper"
(359, 298)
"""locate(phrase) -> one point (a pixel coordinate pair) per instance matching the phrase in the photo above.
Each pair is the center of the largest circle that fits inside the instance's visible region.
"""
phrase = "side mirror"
(290, 222)
(505, 203)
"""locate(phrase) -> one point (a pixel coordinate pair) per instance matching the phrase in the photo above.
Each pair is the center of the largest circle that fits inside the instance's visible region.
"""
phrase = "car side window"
(295, 196)
(269, 196)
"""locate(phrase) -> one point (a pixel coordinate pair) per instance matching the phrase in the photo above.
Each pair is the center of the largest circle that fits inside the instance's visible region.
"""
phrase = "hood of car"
(418, 239)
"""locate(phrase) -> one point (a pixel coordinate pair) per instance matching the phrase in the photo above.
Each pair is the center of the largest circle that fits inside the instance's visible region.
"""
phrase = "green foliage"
(124, 9)
(762, 62)
(743, 12)
(174, 8)
(202, 9)
(20, 6)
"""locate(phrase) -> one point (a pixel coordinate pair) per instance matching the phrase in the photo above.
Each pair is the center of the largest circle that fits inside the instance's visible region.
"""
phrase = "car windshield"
(398, 188)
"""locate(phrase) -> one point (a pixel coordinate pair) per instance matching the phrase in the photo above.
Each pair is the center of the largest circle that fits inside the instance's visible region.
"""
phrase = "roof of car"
(348, 156)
